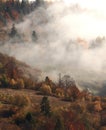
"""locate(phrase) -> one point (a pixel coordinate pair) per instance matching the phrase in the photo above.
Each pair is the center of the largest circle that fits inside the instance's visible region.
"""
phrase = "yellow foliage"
(12, 82)
(59, 92)
(97, 106)
(45, 89)
(20, 83)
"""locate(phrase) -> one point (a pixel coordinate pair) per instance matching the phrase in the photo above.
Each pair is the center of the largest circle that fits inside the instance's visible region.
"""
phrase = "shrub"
(29, 117)
(59, 92)
(19, 121)
(21, 100)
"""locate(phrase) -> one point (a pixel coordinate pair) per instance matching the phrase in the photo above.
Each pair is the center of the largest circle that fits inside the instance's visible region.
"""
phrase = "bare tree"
(67, 81)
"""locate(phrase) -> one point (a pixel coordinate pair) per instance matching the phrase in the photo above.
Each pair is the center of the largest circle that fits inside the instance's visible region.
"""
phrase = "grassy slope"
(35, 98)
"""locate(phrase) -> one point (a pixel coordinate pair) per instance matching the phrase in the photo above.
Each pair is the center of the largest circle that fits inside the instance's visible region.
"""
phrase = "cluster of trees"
(11, 77)
(14, 9)
(16, 83)
(48, 119)
(19, 37)
(66, 88)
(76, 117)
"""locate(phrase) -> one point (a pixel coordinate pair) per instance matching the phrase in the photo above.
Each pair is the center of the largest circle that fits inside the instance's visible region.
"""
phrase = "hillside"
(17, 69)
(17, 104)
(14, 10)
(45, 103)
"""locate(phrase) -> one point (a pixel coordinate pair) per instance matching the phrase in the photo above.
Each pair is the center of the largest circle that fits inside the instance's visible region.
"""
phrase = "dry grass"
(8, 94)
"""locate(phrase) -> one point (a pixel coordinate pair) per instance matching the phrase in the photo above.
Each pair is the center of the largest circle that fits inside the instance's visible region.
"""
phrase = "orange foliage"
(45, 89)
(15, 14)
(97, 106)
(77, 126)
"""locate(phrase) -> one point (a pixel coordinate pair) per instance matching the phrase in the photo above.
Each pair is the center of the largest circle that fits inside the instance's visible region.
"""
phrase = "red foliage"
(50, 125)
(15, 14)
(76, 126)
(12, 70)
(71, 123)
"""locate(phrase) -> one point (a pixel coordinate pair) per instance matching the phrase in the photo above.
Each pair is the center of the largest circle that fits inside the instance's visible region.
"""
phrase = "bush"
(17, 99)
(19, 121)
(29, 117)
(21, 100)
(59, 92)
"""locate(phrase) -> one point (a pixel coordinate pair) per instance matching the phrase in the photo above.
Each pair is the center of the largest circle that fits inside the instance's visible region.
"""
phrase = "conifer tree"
(45, 106)
(59, 124)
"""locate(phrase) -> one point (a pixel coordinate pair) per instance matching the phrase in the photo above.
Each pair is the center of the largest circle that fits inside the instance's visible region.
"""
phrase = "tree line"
(13, 9)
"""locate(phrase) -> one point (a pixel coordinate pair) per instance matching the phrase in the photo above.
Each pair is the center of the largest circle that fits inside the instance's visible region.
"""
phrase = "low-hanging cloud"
(64, 45)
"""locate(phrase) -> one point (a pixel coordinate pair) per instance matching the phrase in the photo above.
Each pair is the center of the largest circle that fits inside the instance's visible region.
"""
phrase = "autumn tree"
(45, 106)
(20, 83)
(45, 89)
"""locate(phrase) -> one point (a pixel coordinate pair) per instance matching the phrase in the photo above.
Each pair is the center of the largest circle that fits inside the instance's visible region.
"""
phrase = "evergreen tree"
(29, 117)
(34, 36)
(13, 32)
(45, 106)
(59, 124)
(38, 2)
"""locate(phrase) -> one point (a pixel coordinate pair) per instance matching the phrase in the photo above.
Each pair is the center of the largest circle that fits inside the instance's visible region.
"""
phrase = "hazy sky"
(97, 4)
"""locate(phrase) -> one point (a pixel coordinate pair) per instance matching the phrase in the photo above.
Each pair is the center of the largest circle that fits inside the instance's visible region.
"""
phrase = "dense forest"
(14, 10)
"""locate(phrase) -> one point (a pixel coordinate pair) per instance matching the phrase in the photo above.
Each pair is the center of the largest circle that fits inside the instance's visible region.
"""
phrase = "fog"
(66, 42)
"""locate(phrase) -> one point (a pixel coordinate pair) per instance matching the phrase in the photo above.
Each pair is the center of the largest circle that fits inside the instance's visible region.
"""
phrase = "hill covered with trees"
(13, 71)
(29, 103)
(14, 10)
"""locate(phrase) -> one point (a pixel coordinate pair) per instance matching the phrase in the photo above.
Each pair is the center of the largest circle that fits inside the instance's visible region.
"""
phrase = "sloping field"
(35, 98)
